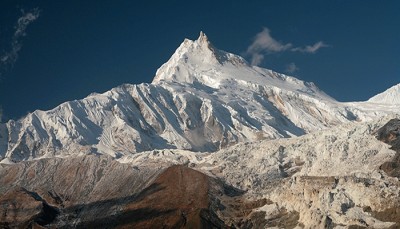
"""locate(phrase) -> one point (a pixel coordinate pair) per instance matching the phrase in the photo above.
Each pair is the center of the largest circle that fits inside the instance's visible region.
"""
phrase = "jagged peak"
(204, 48)
(200, 53)
(202, 44)
(203, 38)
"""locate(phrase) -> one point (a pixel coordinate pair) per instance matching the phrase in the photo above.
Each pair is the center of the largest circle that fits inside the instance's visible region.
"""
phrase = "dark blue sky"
(65, 50)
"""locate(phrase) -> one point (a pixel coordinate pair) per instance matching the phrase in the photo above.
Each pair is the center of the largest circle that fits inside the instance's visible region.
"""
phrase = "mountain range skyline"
(57, 52)
(202, 99)
(211, 142)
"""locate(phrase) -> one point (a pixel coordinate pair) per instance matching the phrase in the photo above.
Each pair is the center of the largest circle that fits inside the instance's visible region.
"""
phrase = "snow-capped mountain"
(129, 155)
(202, 99)
(390, 96)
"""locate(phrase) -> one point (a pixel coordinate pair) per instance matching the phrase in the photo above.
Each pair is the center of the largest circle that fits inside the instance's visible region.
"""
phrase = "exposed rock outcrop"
(390, 134)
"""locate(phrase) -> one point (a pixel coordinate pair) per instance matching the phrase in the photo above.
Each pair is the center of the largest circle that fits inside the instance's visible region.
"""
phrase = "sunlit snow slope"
(390, 96)
(202, 99)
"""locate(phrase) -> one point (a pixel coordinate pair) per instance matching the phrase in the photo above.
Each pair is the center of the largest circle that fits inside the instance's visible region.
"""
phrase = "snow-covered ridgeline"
(390, 96)
(202, 99)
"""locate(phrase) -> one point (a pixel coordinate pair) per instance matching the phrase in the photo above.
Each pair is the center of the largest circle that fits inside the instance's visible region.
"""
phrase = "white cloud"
(256, 58)
(291, 68)
(8, 58)
(265, 44)
(311, 48)
(24, 21)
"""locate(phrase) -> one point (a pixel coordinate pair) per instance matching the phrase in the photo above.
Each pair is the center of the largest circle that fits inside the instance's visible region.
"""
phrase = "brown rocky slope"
(99, 192)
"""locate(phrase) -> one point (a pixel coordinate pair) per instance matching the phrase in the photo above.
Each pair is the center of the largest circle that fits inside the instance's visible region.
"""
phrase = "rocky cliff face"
(390, 134)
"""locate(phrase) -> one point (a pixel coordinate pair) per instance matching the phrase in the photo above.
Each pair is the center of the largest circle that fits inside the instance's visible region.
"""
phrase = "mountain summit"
(193, 58)
(201, 99)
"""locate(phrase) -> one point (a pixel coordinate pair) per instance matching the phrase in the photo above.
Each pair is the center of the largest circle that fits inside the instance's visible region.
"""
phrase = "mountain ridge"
(389, 96)
(210, 143)
(202, 99)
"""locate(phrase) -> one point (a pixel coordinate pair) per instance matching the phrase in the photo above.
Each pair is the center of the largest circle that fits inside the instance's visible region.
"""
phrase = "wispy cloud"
(9, 57)
(291, 68)
(256, 58)
(264, 44)
(311, 48)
